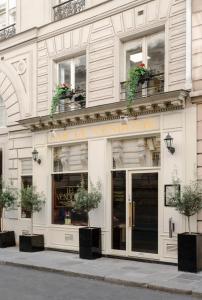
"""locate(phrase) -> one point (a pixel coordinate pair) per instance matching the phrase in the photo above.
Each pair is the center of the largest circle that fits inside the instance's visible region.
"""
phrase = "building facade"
(91, 45)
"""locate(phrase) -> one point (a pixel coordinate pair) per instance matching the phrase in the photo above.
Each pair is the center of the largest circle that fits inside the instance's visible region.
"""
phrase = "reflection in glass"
(70, 158)
(65, 72)
(145, 212)
(64, 188)
(136, 152)
(119, 210)
(80, 73)
(26, 181)
(156, 52)
(134, 57)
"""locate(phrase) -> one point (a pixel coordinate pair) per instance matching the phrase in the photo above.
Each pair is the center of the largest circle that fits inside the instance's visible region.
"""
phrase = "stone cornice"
(169, 101)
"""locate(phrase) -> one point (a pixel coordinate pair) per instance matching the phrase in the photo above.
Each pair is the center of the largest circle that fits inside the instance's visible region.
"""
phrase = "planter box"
(190, 252)
(7, 239)
(31, 243)
(90, 242)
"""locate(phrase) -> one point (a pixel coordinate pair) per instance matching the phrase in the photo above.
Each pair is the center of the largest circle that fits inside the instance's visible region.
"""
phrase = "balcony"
(7, 32)
(67, 9)
(76, 100)
(153, 86)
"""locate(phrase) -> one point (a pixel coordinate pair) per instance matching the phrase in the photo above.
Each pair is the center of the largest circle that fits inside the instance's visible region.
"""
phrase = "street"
(26, 284)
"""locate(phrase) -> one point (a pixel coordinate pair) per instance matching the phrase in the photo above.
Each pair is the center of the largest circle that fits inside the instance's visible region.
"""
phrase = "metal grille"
(7, 32)
(68, 8)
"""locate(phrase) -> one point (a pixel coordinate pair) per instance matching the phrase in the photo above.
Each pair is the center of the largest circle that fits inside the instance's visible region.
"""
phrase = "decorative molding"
(149, 105)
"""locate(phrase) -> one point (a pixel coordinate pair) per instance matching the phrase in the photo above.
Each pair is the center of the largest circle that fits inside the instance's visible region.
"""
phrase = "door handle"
(130, 213)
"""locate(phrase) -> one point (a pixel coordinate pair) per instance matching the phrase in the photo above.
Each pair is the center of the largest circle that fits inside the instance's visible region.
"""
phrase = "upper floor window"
(73, 72)
(150, 51)
(72, 81)
(7, 13)
(2, 113)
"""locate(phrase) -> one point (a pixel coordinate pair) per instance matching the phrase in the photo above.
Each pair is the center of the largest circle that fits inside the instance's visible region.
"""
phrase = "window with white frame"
(73, 72)
(2, 113)
(7, 13)
(70, 167)
(149, 50)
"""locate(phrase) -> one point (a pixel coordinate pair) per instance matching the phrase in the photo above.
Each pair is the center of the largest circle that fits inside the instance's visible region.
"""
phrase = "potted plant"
(62, 91)
(137, 75)
(89, 237)
(7, 200)
(31, 201)
(188, 203)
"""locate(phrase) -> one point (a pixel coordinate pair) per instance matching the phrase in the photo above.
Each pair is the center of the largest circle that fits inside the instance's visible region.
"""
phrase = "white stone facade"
(28, 74)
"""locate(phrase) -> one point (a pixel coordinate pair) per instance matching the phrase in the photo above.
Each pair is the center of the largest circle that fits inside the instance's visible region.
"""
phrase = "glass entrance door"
(143, 212)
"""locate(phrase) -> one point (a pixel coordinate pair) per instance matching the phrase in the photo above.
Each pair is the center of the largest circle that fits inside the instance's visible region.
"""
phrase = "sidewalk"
(126, 272)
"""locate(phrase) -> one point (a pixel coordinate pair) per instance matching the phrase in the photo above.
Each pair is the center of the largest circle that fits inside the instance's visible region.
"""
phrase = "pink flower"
(142, 65)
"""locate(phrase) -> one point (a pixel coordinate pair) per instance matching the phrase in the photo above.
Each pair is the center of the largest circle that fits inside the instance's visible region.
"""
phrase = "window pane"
(64, 188)
(2, 20)
(156, 52)
(26, 181)
(71, 158)
(139, 152)
(65, 72)
(12, 16)
(134, 57)
(119, 210)
(12, 4)
(80, 73)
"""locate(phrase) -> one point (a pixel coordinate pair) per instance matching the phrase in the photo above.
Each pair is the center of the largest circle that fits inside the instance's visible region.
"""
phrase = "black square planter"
(31, 243)
(190, 252)
(90, 242)
(7, 239)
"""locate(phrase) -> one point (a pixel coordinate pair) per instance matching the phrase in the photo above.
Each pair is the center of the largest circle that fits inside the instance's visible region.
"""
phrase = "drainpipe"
(188, 85)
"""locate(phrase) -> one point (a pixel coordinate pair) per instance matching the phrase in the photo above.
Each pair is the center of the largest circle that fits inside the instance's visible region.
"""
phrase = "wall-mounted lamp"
(35, 155)
(169, 143)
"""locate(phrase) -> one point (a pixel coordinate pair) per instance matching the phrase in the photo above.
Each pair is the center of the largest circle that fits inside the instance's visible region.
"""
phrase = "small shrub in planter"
(189, 203)
(31, 201)
(7, 200)
(89, 237)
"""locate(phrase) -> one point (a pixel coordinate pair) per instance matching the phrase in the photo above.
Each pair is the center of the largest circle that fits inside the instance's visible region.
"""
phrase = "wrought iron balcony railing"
(7, 32)
(151, 87)
(68, 8)
(75, 101)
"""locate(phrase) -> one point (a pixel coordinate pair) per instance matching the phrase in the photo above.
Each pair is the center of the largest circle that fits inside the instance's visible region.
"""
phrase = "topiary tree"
(32, 201)
(86, 201)
(189, 201)
(7, 199)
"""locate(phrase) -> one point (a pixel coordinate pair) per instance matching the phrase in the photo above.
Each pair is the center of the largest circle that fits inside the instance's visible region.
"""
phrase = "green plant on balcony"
(62, 91)
(137, 75)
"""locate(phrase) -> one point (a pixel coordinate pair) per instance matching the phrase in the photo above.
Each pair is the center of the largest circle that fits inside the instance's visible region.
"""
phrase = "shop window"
(73, 72)
(7, 13)
(64, 188)
(136, 152)
(2, 113)
(70, 158)
(70, 165)
(26, 180)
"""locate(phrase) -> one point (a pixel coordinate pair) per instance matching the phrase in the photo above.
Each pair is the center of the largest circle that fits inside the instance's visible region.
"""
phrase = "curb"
(105, 279)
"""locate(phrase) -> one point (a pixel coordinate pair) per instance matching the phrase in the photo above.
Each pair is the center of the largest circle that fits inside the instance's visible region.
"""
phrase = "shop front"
(131, 160)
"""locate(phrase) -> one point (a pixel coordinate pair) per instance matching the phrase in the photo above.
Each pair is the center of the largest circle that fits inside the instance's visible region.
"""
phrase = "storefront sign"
(107, 130)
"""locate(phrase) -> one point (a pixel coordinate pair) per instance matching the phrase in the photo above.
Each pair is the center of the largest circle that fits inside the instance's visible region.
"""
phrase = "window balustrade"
(68, 8)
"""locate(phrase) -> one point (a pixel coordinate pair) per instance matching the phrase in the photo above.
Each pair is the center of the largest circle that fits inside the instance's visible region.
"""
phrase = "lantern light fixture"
(35, 156)
(169, 143)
